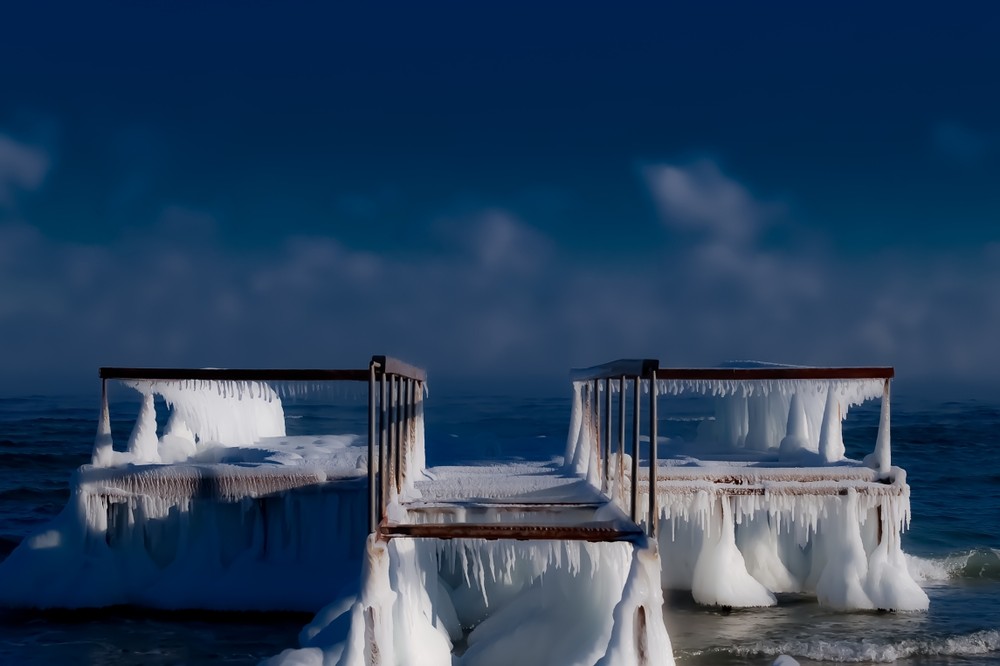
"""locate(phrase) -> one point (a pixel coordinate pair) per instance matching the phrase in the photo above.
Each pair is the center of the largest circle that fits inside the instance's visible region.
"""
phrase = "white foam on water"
(872, 650)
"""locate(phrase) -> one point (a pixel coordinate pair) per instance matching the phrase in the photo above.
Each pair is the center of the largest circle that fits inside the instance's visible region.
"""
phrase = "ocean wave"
(870, 650)
(976, 563)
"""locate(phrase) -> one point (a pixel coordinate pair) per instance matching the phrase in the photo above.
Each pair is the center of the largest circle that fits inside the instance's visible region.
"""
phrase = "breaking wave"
(878, 651)
(979, 563)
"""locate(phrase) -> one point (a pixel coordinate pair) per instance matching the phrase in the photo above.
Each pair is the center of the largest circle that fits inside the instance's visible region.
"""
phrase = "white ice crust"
(764, 501)
(541, 602)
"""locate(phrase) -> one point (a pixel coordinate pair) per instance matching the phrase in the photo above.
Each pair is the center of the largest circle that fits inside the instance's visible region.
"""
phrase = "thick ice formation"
(796, 537)
(231, 524)
(764, 501)
(261, 553)
(796, 421)
(546, 602)
(203, 414)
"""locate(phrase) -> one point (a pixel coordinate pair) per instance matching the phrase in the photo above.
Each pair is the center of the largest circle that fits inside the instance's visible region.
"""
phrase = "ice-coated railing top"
(395, 411)
(780, 372)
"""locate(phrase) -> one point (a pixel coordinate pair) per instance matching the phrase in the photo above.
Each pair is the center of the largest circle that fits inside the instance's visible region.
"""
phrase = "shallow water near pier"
(947, 447)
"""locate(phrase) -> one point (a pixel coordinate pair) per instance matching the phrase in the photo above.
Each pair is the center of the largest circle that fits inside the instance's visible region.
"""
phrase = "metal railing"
(620, 374)
(395, 412)
(395, 392)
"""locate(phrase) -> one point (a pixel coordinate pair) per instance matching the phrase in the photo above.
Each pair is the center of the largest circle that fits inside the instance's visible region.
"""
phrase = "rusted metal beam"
(640, 367)
(805, 489)
(777, 372)
(393, 366)
(500, 504)
(492, 531)
(235, 374)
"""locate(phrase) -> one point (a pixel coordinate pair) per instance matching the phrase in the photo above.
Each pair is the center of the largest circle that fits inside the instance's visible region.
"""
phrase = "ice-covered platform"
(210, 503)
(754, 493)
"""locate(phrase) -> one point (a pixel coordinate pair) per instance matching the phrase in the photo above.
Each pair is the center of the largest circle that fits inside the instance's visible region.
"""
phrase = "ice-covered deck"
(216, 506)
(759, 497)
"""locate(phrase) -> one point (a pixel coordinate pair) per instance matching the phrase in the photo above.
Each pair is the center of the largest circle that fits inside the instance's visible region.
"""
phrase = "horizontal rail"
(716, 374)
(420, 506)
(492, 531)
(393, 366)
(234, 374)
(790, 489)
(639, 367)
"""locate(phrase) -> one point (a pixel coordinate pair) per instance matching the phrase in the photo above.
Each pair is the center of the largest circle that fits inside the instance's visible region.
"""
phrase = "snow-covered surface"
(528, 482)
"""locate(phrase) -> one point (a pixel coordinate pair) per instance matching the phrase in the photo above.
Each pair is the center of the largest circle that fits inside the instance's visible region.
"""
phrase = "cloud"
(699, 197)
(496, 300)
(22, 167)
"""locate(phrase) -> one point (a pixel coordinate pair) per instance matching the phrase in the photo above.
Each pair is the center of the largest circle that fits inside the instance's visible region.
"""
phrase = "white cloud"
(22, 167)
(699, 197)
(497, 299)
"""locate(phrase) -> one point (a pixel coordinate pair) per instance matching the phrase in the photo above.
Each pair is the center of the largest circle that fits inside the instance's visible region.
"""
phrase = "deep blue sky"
(502, 190)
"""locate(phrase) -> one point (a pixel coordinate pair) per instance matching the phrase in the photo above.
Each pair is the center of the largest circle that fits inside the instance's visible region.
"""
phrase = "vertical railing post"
(371, 448)
(595, 424)
(653, 514)
(635, 451)
(621, 435)
(400, 416)
(390, 470)
(382, 445)
(607, 435)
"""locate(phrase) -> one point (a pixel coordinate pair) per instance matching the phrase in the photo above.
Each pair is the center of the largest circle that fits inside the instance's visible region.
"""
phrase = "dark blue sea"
(949, 449)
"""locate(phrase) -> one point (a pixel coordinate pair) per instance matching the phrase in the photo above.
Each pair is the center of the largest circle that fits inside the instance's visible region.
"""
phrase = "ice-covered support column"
(103, 444)
(731, 420)
(581, 453)
(143, 443)
(638, 634)
(831, 440)
(419, 452)
(881, 458)
(720, 574)
(797, 434)
(370, 639)
(574, 456)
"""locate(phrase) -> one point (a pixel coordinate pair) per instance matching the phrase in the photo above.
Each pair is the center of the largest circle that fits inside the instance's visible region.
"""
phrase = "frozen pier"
(754, 493)
(210, 503)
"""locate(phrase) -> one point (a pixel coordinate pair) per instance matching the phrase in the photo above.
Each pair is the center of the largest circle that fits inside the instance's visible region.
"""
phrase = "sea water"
(948, 448)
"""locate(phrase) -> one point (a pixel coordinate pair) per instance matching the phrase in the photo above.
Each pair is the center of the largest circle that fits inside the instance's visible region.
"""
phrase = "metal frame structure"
(622, 372)
(394, 389)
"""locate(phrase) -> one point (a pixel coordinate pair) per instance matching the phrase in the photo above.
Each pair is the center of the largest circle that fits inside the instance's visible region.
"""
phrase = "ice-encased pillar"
(103, 443)
(797, 434)
(831, 442)
(881, 458)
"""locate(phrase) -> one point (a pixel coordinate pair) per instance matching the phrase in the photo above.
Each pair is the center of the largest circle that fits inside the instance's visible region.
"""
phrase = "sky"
(498, 191)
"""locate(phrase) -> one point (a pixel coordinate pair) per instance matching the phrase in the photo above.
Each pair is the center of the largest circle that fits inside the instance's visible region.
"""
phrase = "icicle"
(797, 436)
(881, 458)
(142, 444)
(103, 444)
(831, 442)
